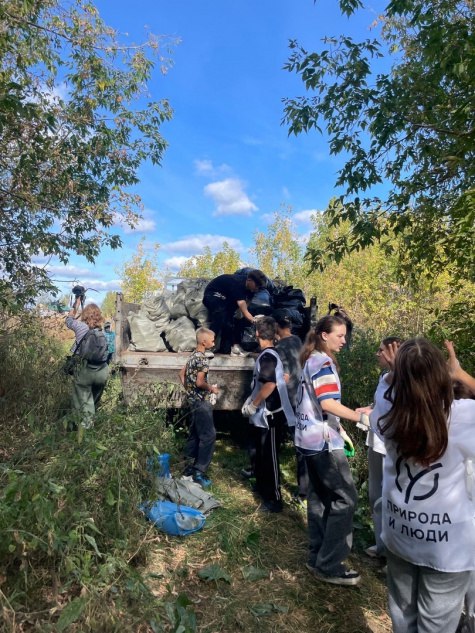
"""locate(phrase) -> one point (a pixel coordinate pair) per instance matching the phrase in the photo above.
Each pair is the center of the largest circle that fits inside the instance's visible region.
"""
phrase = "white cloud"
(230, 197)
(194, 244)
(205, 167)
(305, 217)
(143, 225)
(174, 263)
(71, 272)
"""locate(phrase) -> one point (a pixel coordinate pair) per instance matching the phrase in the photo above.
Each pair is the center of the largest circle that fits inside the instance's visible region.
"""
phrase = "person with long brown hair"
(89, 377)
(428, 509)
(332, 495)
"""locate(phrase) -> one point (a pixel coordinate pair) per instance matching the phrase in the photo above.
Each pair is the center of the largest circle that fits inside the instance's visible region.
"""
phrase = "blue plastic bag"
(159, 465)
(174, 519)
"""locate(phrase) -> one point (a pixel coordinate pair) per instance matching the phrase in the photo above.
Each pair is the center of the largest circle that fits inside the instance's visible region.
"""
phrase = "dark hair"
(391, 339)
(258, 277)
(282, 318)
(266, 328)
(421, 394)
(314, 340)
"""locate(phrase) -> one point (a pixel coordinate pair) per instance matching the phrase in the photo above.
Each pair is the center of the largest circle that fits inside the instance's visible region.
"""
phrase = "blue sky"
(230, 163)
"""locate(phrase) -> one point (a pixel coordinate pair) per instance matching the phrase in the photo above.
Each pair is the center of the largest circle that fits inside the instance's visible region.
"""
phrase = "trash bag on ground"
(185, 491)
(174, 519)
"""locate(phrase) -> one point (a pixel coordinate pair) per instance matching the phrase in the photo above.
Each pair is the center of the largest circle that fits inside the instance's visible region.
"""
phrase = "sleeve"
(202, 365)
(268, 363)
(325, 384)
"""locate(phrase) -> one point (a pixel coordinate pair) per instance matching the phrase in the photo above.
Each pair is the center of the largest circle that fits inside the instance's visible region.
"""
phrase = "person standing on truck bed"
(221, 297)
(202, 435)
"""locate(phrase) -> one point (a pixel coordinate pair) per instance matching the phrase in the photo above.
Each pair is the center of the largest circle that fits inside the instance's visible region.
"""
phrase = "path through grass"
(255, 568)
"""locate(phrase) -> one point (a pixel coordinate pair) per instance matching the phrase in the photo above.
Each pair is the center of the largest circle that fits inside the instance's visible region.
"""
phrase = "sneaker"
(372, 551)
(247, 473)
(188, 472)
(348, 577)
(199, 478)
(237, 351)
(271, 506)
(209, 354)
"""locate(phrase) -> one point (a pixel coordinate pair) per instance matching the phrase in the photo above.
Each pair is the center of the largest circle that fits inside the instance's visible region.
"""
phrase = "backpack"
(93, 347)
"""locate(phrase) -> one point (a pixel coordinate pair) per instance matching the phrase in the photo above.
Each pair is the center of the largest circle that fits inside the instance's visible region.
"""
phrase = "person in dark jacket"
(222, 297)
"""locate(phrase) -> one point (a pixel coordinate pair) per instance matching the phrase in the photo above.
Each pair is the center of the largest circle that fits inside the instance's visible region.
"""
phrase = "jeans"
(424, 600)
(202, 436)
(331, 503)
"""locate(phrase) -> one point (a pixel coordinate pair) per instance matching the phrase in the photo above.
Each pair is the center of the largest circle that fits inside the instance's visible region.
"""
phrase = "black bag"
(93, 347)
(70, 365)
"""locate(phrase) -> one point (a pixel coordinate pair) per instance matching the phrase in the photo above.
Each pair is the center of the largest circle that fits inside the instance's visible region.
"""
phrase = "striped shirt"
(325, 383)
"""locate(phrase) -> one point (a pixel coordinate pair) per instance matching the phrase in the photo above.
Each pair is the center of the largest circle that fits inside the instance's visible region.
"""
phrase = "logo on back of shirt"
(402, 468)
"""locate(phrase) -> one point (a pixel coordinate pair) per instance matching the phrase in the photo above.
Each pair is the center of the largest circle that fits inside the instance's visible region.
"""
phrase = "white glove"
(248, 408)
(363, 424)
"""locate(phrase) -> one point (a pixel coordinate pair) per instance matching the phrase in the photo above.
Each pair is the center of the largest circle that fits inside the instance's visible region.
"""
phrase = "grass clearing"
(255, 565)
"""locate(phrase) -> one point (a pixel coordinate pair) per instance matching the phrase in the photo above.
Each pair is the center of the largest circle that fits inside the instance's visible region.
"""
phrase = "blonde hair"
(92, 316)
(201, 332)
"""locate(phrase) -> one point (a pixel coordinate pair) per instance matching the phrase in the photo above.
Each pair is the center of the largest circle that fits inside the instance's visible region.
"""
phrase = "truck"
(157, 373)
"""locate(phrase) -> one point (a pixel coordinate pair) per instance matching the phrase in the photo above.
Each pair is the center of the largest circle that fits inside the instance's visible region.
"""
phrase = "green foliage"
(278, 251)
(31, 366)
(208, 266)
(71, 136)
(412, 127)
(139, 275)
(108, 305)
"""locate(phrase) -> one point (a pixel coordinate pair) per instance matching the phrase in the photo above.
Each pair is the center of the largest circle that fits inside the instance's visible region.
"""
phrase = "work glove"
(248, 409)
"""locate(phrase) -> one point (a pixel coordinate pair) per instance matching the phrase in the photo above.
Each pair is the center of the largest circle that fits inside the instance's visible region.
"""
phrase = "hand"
(214, 389)
(248, 408)
(366, 410)
(389, 354)
(453, 362)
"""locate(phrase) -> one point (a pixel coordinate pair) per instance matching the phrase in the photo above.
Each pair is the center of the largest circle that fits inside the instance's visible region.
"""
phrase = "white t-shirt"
(428, 513)
(380, 407)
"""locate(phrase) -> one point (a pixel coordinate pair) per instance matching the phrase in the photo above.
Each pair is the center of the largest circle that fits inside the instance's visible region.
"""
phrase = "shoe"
(188, 472)
(271, 506)
(372, 551)
(209, 354)
(199, 478)
(237, 351)
(247, 473)
(348, 577)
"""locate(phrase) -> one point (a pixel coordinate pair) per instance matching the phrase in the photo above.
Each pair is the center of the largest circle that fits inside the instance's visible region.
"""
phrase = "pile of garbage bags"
(168, 322)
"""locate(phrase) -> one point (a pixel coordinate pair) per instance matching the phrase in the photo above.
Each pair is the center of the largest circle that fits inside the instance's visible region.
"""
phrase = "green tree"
(140, 275)
(208, 266)
(74, 129)
(108, 305)
(279, 252)
(412, 127)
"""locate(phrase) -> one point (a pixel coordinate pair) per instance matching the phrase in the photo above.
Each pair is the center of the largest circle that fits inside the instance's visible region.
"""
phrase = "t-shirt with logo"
(428, 512)
(197, 362)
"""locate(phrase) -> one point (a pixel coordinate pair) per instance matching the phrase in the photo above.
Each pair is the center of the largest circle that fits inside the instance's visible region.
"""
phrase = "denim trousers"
(331, 503)
(424, 600)
(199, 446)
